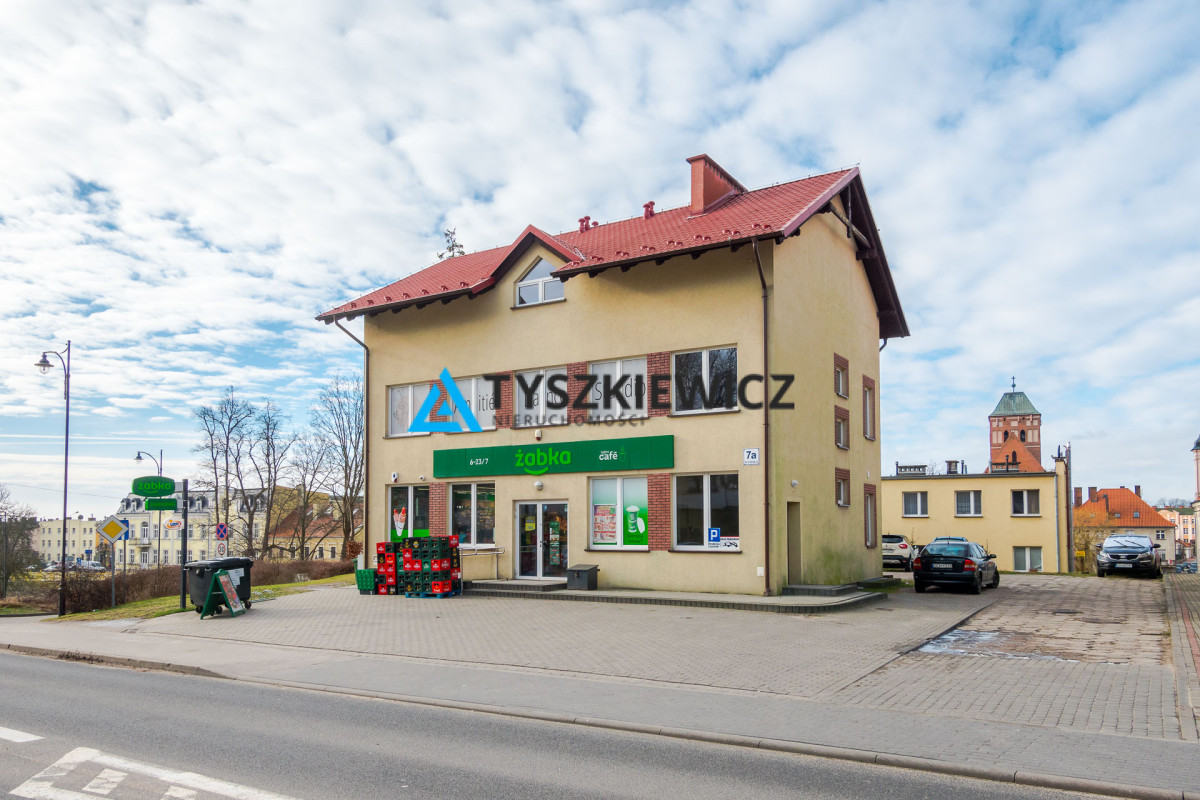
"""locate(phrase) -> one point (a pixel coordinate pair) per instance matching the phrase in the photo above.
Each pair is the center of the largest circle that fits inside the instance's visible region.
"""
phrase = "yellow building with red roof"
(669, 397)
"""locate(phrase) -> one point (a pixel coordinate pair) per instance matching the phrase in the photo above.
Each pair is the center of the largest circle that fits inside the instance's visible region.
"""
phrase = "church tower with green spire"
(1016, 416)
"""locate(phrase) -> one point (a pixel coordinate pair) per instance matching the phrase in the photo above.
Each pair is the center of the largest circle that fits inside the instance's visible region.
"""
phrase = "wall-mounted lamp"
(537, 485)
(538, 434)
(795, 484)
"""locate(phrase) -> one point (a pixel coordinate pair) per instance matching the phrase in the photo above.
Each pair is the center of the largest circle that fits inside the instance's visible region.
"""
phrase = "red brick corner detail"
(658, 486)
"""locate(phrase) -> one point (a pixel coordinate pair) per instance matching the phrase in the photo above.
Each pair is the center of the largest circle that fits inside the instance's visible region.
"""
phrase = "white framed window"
(145, 557)
(403, 404)
(968, 503)
(1027, 559)
(333, 552)
(705, 380)
(620, 514)
(540, 397)
(623, 378)
(408, 512)
(1026, 503)
(480, 395)
(538, 285)
(842, 491)
(705, 502)
(473, 514)
(916, 504)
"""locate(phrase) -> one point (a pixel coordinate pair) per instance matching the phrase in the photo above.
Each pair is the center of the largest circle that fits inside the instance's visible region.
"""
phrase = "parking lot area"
(1077, 653)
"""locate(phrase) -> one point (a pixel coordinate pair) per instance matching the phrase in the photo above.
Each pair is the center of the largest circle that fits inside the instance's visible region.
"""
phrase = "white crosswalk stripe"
(179, 793)
(9, 735)
(183, 785)
(105, 782)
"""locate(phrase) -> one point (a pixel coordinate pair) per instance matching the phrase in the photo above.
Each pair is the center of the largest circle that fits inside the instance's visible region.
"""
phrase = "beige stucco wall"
(997, 529)
(822, 304)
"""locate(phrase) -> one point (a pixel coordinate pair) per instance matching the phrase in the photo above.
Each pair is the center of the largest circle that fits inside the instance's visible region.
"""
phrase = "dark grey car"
(1129, 554)
(955, 564)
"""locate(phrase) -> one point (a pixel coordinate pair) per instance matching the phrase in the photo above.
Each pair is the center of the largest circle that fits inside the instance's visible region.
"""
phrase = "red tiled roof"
(1124, 502)
(776, 211)
(1015, 450)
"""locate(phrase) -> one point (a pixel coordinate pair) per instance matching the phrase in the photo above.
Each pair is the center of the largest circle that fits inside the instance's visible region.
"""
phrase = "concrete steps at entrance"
(548, 585)
(819, 590)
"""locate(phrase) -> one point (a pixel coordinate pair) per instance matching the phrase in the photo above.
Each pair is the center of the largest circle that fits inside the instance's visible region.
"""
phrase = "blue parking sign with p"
(714, 537)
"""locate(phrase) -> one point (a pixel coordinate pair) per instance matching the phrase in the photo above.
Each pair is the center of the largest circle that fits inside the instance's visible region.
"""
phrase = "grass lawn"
(161, 606)
(11, 608)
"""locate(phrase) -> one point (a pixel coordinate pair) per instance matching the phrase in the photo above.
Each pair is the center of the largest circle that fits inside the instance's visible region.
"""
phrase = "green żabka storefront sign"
(597, 455)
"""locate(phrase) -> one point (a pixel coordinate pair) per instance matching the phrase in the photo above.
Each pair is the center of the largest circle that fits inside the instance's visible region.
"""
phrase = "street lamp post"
(44, 365)
(158, 527)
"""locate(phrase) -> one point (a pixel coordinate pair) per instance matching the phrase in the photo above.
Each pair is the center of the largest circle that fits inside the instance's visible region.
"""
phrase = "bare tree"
(17, 524)
(225, 434)
(308, 469)
(338, 422)
(267, 454)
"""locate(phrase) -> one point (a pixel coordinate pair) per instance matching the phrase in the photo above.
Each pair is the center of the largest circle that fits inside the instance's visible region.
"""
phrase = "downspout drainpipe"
(366, 438)
(762, 279)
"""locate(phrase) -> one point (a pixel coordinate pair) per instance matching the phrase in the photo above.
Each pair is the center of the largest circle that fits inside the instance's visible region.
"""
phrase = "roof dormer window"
(538, 285)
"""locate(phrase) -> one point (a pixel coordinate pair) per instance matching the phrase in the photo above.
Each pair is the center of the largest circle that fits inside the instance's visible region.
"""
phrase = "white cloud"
(254, 163)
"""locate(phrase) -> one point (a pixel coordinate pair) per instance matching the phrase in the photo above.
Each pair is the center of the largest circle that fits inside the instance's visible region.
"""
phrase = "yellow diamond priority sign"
(112, 529)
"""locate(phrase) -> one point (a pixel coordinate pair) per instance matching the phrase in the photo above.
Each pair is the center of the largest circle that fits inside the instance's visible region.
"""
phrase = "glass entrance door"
(541, 540)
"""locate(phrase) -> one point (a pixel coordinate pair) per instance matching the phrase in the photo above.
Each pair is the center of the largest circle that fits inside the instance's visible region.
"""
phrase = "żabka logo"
(444, 399)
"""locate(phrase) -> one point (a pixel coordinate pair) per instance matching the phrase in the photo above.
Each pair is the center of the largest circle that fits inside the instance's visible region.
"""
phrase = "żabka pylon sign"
(153, 486)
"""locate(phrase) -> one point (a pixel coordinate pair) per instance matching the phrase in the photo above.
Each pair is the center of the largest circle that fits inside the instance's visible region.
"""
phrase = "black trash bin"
(582, 576)
(200, 578)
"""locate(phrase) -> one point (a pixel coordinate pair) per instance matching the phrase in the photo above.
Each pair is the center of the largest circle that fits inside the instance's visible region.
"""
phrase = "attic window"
(1117, 514)
(1137, 515)
(538, 286)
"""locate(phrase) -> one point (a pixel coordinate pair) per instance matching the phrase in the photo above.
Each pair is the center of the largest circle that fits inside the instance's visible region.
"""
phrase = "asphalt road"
(131, 735)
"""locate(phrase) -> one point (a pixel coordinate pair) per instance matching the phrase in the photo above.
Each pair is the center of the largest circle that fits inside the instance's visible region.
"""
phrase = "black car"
(1129, 554)
(955, 564)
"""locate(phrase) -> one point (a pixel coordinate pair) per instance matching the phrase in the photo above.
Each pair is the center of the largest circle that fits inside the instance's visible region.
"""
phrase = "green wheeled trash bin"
(200, 578)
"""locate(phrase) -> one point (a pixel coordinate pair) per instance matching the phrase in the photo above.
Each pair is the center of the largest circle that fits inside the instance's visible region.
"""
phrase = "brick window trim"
(841, 369)
(870, 408)
(841, 415)
(871, 535)
(840, 475)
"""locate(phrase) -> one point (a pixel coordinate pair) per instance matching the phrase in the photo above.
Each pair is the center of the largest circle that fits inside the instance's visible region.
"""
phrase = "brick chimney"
(1091, 493)
(711, 185)
(1078, 496)
(1137, 489)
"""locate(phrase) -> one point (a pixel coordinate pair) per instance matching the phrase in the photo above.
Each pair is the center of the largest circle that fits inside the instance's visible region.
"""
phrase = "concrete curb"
(111, 661)
(854, 601)
(991, 773)
(979, 772)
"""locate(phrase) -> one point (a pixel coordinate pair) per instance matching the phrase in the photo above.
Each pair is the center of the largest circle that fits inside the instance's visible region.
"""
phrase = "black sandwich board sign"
(222, 592)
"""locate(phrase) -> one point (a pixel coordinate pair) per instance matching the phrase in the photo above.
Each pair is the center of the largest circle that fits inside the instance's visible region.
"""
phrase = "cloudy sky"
(184, 185)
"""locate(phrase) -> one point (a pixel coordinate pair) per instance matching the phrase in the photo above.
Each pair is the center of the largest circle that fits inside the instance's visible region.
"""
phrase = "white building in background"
(81, 539)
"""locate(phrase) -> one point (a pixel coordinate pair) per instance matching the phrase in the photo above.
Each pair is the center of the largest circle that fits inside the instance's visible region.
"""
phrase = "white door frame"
(541, 566)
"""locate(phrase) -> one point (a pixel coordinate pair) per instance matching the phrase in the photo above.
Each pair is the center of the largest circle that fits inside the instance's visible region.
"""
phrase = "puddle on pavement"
(979, 643)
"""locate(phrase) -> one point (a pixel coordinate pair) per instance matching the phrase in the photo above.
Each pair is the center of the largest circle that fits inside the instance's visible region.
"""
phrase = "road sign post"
(112, 529)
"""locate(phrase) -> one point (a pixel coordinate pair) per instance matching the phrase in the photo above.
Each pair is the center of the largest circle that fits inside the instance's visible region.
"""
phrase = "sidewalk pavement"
(766, 680)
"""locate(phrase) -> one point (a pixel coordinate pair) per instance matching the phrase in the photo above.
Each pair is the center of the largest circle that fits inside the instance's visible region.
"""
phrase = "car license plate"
(1123, 566)
(942, 565)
